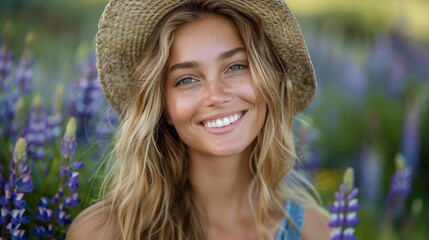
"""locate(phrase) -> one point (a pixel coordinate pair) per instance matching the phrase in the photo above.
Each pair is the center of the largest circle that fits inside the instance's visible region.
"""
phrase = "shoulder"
(92, 224)
(315, 225)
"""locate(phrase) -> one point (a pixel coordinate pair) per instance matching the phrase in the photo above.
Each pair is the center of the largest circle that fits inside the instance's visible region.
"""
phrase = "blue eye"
(237, 67)
(185, 81)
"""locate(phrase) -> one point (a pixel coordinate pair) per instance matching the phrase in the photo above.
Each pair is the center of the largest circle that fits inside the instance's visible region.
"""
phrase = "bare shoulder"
(91, 224)
(315, 224)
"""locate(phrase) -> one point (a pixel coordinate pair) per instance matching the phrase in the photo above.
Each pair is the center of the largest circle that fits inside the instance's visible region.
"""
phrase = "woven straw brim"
(125, 26)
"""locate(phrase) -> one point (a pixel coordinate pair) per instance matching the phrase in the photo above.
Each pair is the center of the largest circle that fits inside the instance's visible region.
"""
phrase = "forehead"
(207, 36)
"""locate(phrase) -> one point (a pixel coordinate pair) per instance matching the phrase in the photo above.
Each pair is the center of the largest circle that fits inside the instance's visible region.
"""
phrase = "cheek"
(248, 92)
(178, 109)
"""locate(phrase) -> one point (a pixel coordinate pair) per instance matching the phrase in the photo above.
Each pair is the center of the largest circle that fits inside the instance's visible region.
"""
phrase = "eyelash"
(241, 65)
(181, 80)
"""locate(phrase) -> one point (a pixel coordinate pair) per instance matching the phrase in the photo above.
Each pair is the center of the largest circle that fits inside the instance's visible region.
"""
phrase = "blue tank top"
(287, 231)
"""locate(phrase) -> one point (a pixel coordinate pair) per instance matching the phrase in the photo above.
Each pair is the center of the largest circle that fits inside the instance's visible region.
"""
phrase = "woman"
(207, 91)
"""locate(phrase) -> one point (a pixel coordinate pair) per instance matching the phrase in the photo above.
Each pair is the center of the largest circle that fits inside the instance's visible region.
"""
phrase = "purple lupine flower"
(10, 91)
(355, 82)
(16, 233)
(55, 212)
(20, 169)
(387, 67)
(58, 195)
(87, 98)
(379, 61)
(24, 73)
(17, 216)
(49, 230)
(77, 165)
(72, 201)
(38, 231)
(54, 126)
(344, 210)
(68, 143)
(6, 57)
(1, 178)
(41, 231)
(106, 127)
(64, 170)
(6, 63)
(24, 183)
(11, 101)
(306, 138)
(6, 60)
(44, 213)
(9, 96)
(398, 75)
(68, 146)
(73, 183)
(55, 116)
(18, 122)
(399, 189)
(63, 217)
(4, 213)
(37, 129)
(415, 56)
(370, 171)
(410, 145)
(19, 182)
(19, 201)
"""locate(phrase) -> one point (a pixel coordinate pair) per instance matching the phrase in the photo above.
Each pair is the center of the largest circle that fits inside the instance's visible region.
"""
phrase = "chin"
(230, 151)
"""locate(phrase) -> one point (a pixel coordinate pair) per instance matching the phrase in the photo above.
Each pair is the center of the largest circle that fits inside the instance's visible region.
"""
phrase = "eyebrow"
(230, 53)
(193, 64)
(183, 65)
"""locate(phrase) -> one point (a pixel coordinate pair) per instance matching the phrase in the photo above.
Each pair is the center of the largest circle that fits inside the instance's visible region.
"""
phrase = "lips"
(222, 122)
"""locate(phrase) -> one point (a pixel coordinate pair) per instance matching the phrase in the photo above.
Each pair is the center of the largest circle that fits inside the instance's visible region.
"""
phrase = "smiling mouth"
(223, 122)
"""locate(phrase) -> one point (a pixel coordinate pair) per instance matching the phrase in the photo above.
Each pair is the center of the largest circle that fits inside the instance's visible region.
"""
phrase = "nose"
(216, 93)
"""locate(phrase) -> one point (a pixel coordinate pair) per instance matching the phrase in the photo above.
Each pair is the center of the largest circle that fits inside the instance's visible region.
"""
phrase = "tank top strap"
(287, 230)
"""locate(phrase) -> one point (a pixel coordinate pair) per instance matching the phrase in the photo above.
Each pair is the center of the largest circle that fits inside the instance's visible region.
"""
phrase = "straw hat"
(125, 26)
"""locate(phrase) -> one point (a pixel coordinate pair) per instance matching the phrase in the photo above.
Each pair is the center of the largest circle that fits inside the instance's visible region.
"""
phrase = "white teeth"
(226, 121)
(222, 122)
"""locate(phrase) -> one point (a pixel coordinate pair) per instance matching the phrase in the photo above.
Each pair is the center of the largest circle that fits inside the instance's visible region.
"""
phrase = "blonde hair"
(149, 195)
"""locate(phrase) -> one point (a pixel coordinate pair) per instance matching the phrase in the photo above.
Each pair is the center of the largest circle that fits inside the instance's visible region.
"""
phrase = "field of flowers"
(370, 116)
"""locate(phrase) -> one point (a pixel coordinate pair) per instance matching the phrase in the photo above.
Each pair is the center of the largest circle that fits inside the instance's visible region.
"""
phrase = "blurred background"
(372, 64)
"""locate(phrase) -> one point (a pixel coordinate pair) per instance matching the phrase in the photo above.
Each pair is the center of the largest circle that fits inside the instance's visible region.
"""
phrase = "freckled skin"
(216, 89)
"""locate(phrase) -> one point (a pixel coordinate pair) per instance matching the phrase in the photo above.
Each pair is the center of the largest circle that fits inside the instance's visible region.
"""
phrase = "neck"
(221, 185)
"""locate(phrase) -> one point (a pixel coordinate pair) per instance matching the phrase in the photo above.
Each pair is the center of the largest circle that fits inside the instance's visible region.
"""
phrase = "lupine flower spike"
(44, 214)
(68, 146)
(7, 100)
(10, 91)
(86, 99)
(64, 199)
(12, 202)
(105, 129)
(399, 186)
(344, 210)
(55, 116)
(24, 73)
(37, 129)
(66, 196)
(398, 192)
